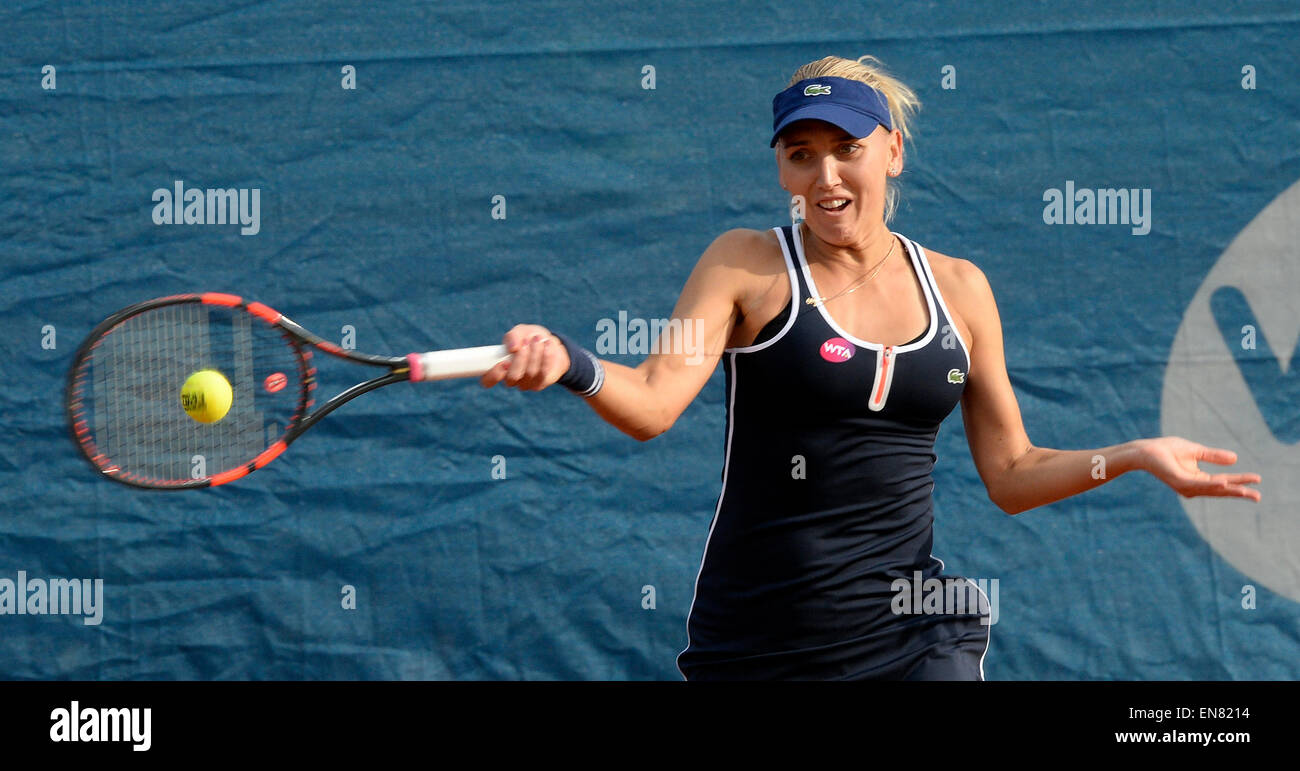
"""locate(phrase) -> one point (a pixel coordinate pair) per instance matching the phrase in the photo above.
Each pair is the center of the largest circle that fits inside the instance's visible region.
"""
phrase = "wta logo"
(837, 350)
(1233, 380)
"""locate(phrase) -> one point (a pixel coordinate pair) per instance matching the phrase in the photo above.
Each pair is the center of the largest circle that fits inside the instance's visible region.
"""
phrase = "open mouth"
(835, 204)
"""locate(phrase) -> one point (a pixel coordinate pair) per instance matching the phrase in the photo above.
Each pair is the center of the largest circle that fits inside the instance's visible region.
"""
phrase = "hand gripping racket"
(124, 400)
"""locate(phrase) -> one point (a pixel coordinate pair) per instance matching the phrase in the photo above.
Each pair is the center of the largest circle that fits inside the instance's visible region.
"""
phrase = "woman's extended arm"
(645, 401)
(1020, 476)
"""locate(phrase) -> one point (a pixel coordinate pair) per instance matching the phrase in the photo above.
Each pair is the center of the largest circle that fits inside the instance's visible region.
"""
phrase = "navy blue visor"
(852, 105)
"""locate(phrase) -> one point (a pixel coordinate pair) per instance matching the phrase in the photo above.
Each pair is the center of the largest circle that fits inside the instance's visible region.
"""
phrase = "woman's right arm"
(645, 401)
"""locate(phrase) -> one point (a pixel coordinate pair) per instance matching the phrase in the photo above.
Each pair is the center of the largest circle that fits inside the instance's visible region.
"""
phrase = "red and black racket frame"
(302, 342)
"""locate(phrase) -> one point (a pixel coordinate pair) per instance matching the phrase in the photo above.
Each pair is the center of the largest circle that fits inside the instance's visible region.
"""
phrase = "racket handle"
(458, 362)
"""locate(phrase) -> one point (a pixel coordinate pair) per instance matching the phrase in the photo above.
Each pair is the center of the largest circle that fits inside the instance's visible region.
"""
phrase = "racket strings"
(131, 400)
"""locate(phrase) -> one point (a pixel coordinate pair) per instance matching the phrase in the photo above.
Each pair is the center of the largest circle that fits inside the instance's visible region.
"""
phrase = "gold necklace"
(879, 265)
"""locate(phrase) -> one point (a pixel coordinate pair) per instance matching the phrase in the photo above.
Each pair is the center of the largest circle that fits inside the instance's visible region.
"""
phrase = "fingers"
(1241, 479)
(534, 357)
(1225, 486)
(1218, 456)
(519, 364)
(525, 372)
(545, 362)
(494, 375)
(510, 370)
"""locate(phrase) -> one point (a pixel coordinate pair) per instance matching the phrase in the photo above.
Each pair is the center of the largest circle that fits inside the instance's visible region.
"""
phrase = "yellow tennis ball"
(206, 396)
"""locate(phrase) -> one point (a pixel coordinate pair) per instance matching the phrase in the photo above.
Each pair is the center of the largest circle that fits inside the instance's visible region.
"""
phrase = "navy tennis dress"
(826, 501)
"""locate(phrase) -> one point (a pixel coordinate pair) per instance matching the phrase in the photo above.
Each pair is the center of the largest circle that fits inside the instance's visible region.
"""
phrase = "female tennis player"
(846, 345)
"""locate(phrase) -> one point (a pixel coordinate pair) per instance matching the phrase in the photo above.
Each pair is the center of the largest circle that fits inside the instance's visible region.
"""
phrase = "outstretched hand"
(1173, 460)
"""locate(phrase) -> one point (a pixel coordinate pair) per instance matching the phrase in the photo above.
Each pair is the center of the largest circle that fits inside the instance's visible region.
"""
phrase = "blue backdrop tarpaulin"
(562, 163)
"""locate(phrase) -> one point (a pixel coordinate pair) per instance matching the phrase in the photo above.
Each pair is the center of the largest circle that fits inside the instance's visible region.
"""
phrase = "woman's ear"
(895, 153)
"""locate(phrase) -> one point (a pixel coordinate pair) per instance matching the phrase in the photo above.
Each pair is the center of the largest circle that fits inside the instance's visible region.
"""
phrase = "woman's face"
(841, 178)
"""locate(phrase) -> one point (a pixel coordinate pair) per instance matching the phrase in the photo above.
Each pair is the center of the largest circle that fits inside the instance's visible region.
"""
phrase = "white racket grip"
(458, 362)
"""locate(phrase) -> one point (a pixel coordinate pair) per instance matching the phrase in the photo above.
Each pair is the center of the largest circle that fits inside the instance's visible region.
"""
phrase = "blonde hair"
(902, 101)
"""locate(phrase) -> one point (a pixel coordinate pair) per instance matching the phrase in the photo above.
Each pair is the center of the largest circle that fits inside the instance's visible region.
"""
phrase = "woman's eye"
(798, 155)
(848, 149)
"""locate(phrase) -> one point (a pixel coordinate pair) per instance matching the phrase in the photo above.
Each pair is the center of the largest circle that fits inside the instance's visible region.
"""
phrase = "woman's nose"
(828, 175)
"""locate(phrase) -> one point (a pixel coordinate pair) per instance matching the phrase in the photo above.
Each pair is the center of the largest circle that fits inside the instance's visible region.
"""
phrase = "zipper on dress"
(884, 376)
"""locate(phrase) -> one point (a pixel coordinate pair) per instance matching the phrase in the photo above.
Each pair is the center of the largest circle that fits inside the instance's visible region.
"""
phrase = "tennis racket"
(124, 402)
